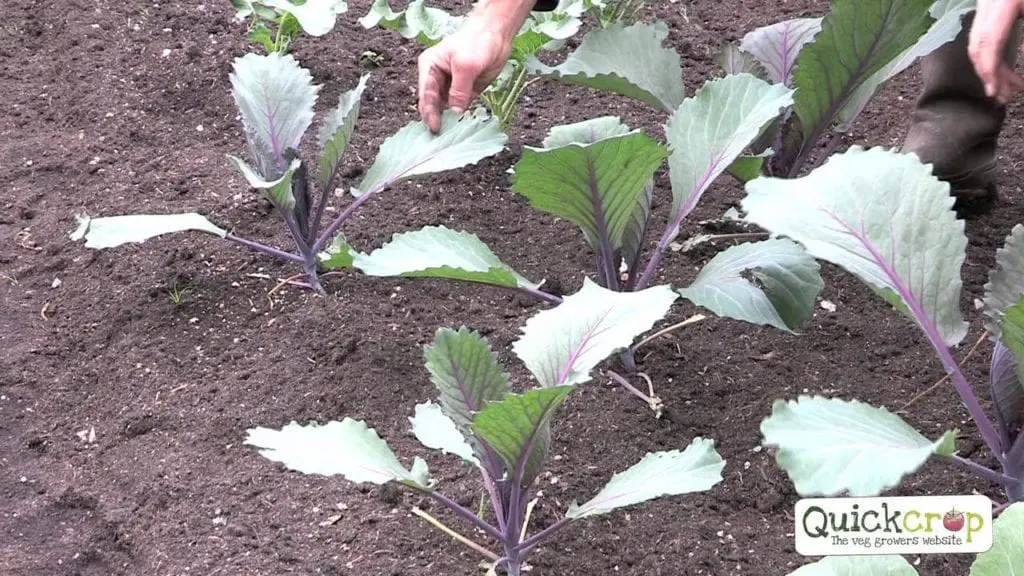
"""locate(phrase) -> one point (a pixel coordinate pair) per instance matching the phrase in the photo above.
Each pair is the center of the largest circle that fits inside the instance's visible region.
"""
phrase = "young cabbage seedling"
(276, 98)
(885, 218)
(542, 31)
(275, 23)
(505, 435)
(608, 12)
(837, 64)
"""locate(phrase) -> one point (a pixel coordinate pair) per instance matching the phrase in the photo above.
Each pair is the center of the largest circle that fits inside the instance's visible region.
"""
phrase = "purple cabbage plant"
(506, 436)
(276, 98)
(885, 218)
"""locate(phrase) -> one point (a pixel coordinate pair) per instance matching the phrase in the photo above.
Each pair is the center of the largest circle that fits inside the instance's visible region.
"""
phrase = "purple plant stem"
(517, 505)
(988, 431)
(266, 249)
(324, 238)
(672, 230)
(309, 264)
(1014, 466)
(515, 516)
(496, 503)
(996, 511)
(1015, 493)
(982, 471)
(313, 276)
(300, 240)
(525, 546)
(541, 295)
(625, 384)
(331, 230)
(466, 514)
(318, 214)
(963, 388)
(1015, 455)
(653, 264)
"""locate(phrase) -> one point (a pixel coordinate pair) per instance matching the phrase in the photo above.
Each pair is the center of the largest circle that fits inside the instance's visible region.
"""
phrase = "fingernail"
(458, 110)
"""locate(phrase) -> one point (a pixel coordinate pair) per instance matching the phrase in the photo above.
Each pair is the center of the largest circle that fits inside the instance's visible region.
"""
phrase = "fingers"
(990, 32)
(463, 91)
(1009, 83)
(433, 79)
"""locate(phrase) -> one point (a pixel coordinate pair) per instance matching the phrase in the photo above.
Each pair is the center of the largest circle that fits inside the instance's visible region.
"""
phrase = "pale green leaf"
(336, 132)
(528, 43)
(428, 25)
(857, 40)
(629, 61)
(243, 8)
(891, 565)
(562, 345)
(268, 14)
(1006, 556)
(746, 168)
(576, 8)
(556, 24)
(518, 429)
(275, 97)
(415, 151)
(436, 430)
(317, 17)
(348, 448)
(595, 180)
(733, 60)
(439, 252)
(778, 46)
(773, 282)
(116, 230)
(948, 15)
(279, 190)
(829, 446)
(883, 217)
(338, 256)
(1005, 286)
(710, 130)
(695, 469)
(584, 133)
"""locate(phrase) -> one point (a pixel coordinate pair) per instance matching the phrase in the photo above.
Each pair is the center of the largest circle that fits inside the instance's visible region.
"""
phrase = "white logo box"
(893, 525)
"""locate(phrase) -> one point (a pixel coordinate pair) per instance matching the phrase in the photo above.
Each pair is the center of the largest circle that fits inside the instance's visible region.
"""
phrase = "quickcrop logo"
(898, 525)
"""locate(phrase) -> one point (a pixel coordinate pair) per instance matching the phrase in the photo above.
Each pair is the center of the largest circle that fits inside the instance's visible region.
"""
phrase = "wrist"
(505, 16)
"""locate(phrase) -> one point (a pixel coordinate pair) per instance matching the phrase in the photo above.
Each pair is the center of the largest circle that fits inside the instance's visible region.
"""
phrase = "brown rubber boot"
(956, 127)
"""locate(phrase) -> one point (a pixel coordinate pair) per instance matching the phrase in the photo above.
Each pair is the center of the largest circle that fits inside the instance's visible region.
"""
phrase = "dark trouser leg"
(956, 127)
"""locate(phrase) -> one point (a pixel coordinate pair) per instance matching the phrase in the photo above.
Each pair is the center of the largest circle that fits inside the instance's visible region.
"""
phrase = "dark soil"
(97, 119)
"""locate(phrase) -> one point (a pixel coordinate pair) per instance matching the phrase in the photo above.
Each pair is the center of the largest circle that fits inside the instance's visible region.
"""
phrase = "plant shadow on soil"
(100, 119)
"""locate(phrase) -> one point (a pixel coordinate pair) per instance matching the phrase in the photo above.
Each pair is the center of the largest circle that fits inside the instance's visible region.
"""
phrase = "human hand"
(994, 23)
(453, 72)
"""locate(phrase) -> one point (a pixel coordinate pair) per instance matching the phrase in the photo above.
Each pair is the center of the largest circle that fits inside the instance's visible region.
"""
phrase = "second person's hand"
(994, 23)
(455, 71)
